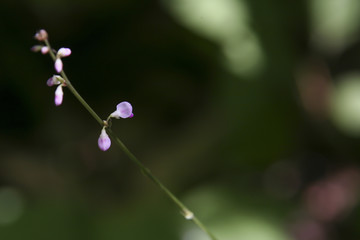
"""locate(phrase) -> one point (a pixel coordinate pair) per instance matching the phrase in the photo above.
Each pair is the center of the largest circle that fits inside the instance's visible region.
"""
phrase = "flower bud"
(41, 35)
(188, 214)
(45, 50)
(104, 141)
(50, 81)
(55, 80)
(59, 95)
(63, 52)
(36, 48)
(58, 65)
(123, 110)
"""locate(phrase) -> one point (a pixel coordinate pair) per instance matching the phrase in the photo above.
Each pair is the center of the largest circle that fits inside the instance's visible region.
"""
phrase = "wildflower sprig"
(123, 110)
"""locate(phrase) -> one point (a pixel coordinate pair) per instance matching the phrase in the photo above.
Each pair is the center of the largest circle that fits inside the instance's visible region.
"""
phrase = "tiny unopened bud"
(58, 65)
(41, 35)
(104, 141)
(59, 94)
(45, 50)
(63, 52)
(36, 48)
(188, 214)
(50, 82)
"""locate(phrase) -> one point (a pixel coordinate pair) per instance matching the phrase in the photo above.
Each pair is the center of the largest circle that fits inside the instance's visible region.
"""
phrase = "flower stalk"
(120, 113)
(72, 89)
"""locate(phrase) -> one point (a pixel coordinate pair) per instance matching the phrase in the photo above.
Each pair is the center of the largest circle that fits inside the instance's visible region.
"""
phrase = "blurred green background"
(248, 110)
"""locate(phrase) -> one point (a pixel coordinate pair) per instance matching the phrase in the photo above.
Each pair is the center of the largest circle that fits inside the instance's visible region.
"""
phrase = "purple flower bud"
(123, 110)
(54, 80)
(50, 81)
(59, 95)
(36, 48)
(63, 52)
(58, 65)
(45, 50)
(104, 141)
(41, 35)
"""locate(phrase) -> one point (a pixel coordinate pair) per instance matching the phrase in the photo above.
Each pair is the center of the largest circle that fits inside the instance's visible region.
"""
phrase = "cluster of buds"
(42, 36)
(123, 109)
(40, 48)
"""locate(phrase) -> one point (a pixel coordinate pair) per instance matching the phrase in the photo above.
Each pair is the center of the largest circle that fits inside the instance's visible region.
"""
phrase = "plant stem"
(184, 210)
(73, 90)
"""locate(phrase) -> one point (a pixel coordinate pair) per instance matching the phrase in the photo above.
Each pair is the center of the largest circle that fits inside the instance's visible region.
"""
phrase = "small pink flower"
(59, 95)
(58, 65)
(41, 35)
(54, 80)
(123, 110)
(45, 50)
(63, 52)
(104, 141)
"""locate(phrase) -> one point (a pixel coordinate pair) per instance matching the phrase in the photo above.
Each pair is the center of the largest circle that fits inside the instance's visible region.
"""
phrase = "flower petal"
(104, 141)
(59, 94)
(45, 50)
(58, 65)
(50, 81)
(124, 110)
(54, 80)
(63, 52)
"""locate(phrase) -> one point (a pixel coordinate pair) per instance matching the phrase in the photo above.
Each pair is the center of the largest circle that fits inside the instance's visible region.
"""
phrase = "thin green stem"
(73, 90)
(184, 210)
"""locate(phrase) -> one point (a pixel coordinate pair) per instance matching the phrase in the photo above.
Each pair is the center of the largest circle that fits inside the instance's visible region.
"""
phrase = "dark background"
(261, 146)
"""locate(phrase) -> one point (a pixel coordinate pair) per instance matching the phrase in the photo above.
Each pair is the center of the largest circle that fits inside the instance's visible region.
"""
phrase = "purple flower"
(123, 110)
(58, 65)
(55, 80)
(63, 52)
(59, 95)
(104, 141)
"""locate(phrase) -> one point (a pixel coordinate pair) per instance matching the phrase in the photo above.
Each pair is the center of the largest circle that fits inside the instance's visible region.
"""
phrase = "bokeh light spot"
(334, 23)
(11, 205)
(228, 220)
(345, 104)
(225, 22)
(240, 228)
